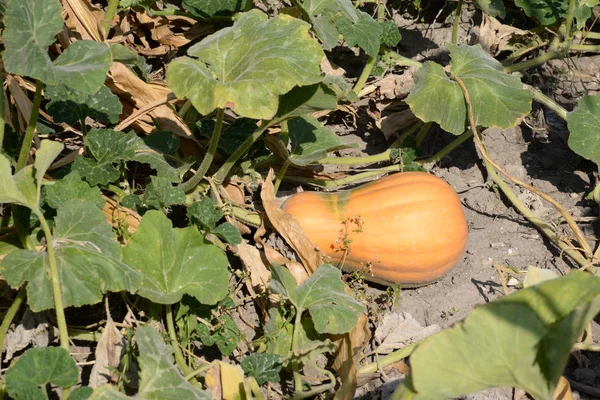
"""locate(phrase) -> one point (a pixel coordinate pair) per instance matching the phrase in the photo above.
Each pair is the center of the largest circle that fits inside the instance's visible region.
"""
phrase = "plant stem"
(549, 103)
(423, 133)
(175, 344)
(294, 351)
(109, 14)
(2, 122)
(569, 22)
(534, 62)
(190, 184)
(35, 109)
(171, 11)
(83, 126)
(10, 315)
(280, 175)
(456, 21)
(401, 60)
(223, 172)
(364, 76)
(389, 359)
(56, 285)
(447, 149)
(590, 48)
(375, 158)
(332, 184)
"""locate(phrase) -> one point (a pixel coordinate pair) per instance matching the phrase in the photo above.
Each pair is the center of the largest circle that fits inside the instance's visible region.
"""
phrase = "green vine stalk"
(35, 110)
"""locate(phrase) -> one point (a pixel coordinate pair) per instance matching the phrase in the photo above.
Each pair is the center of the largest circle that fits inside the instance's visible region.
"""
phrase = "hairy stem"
(447, 149)
(190, 184)
(179, 359)
(109, 14)
(534, 62)
(280, 175)
(549, 103)
(569, 22)
(364, 76)
(456, 21)
(35, 110)
(389, 359)
(56, 284)
(332, 184)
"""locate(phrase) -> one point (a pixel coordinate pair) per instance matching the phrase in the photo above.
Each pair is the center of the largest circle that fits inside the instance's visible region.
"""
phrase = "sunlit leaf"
(364, 33)
(44, 157)
(28, 377)
(87, 255)
(209, 8)
(247, 66)
(493, 8)
(584, 125)
(526, 338)
(498, 99)
(160, 193)
(9, 187)
(83, 66)
(548, 12)
(176, 261)
(263, 367)
(72, 187)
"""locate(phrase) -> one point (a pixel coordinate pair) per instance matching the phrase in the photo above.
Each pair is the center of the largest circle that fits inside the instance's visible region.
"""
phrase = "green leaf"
(81, 393)
(305, 100)
(548, 12)
(83, 66)
(71, 187)
(322, 14)
(155, 149)
(498, 99)
(584, 125)
(526, 338)
(225, 335)
(322, 294)
(160, 193)
(159, 378)
(324, 27)
(228, 233)
(263, 367)
(493, 8)
(68, 105)
(210, 8)
(44, 157)
(11, 187)
(31, 26)
(28, 377)
(176, 261)
(108, 149)
(364, 33)
(310, 140)
(345, 7)
(204, 213)
(390, 35)
(87, 255)
(130, 58)
(247, 66)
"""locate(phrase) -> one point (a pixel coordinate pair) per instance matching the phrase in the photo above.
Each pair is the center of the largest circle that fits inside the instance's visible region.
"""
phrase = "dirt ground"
(536, 151)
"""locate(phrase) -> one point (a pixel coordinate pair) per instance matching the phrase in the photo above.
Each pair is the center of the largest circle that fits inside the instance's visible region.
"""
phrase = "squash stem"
(280, 175)
(33, 117)
(10, 314)
(179, 359)
(532, 218)
(447, 149)
(332, 184)
(456, 21)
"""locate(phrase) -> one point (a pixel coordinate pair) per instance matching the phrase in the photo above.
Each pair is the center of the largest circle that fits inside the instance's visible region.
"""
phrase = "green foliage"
(88, 258)
(68, 105)
(161, 194)
(498, 99)
(494, 8)
(526, 338)
(263, 367)
(174, 262)
(364, 33)
(210, 8)
(28, 377)
(584, 125)
(547, 12)
(332, 310)
(390, 35)
(71, 187)
(205, 215)
(247, 66)
(222, 332)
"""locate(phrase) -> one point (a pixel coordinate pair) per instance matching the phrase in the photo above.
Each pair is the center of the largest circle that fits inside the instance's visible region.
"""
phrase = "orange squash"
(406, 228)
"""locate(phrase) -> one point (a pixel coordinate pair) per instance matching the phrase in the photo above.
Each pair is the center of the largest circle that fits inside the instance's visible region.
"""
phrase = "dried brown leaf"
(295, 268)
(86, 19)
(350, 346)
(397, 330)
(256, 265)
(33, 329)
(563, 390)
(109, 351)
(330, 68)
(119, 216)
(123, 82)
(289, 228)
(494, 36)
(392, 123)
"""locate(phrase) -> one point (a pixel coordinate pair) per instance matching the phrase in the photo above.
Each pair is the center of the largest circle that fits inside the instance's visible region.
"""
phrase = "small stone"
(497, 245)
(512, 282)
(510, 252)
(573, 195)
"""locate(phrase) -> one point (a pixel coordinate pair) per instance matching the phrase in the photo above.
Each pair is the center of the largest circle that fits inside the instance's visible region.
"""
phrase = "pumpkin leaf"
(70, 106)
(390, 35)
(210, 8)
(364, 33)
(174, 262)
(88, 261)
(28, 377)
(584, 125)
(31, 26)
(310, 140)
(526, 336)
(263, 367)
(71, 187)
(305, 100)
(498, 99)
(548, 12)
(493, 8)
(160, 193)
(247, 66)
(332, 310)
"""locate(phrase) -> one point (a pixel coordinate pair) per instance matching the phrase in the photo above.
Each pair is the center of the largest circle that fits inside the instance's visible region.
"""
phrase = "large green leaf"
(209, 8)
(176, 261)
(526, 338)
(72, 187)
(44, 157)
(70, 106)
(247, 66)
(364, 33)
(9, 189)
(159, 378)
(584, 125)
(310, 140)
(322, 14)
(31, 26)
(323, 295)
(498, 99)
(548, 12)
(160, 193)
(87, 255)
(305, 100)
(28, 377)
(263, 367)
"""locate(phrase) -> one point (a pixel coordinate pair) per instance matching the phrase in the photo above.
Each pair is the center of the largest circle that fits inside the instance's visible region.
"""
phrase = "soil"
(536, 152)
